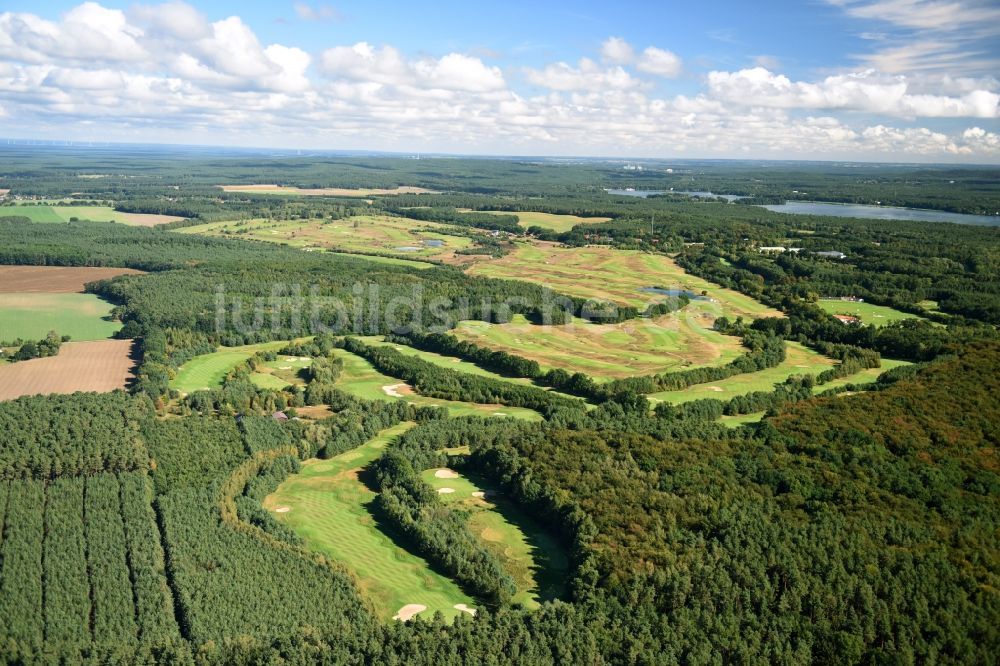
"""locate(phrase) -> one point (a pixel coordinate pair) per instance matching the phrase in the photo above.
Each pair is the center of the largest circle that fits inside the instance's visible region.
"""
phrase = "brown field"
(146, 219)
(323, 191)
(53, 279)
(101, 366)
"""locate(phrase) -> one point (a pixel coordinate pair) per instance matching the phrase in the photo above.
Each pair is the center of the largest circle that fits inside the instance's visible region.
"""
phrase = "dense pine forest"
(844, 524)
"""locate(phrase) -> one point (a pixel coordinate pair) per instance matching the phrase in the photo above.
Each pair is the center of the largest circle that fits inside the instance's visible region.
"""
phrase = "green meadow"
(30, 316)
(877, 315)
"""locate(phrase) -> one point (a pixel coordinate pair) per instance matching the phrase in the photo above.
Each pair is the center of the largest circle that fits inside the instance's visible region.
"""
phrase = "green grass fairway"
(529, 554)
(741, 419)
(614, 275)
(610, 351)
(360, 378)
(328, 507)
(877, 315)
(863, 377)
(362, 233)
(208, 370)
(799, 361)
(31, 316)
(557, 223)
(280, 373)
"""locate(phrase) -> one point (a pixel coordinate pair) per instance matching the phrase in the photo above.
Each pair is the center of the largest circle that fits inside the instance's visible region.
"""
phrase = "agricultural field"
(528, 553)
(610, 351)
(61, 213)
(104, 365)
(328, 506)
(550, 221)
(81, 561)
(54, 279)
(208, 370)
(360, 378)
(397, 236)
(799, 360)
(30, 316)
(868, 313)
(323, 191)
(619, 276)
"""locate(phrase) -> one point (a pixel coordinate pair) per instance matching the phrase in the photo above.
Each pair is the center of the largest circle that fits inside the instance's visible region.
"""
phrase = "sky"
(865, 80)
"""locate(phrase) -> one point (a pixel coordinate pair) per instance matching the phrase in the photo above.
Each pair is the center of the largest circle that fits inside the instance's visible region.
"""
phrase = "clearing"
(610, 351)
(618, 276)
(31, 315)
(878, 315)
(328, 506)
(54, 279)
(551, 221)
(799, 360)
(397, 236)
(360, 378)
(531, 555)
(323, 191)
(56, 214)
(80, 366)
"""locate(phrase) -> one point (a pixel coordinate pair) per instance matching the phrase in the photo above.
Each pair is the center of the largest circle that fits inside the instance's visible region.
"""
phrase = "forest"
(844, 523)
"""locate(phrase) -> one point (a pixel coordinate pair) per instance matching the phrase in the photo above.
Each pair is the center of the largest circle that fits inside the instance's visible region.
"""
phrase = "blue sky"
(909, 80)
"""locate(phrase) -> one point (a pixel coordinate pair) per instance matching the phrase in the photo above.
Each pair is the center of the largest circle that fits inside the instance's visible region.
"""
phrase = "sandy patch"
(479, 493)
(408, 611)
(445, 491)
(464, 609)
(715, 388)
(146, 219)
(491, 534)
(284, 367)
(282, 509)
(445, 473)
(393, 390)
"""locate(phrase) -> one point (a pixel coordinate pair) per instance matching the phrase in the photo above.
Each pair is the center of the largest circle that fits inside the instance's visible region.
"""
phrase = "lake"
(881, 212)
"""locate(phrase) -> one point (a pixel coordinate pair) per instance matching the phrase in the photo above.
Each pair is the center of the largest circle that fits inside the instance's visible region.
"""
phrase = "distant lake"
(635, 193)
(881, 212)
(648, 193)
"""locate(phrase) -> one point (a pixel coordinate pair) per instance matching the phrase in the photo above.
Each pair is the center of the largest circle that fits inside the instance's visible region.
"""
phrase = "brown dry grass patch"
(54, 279)
(104, 365)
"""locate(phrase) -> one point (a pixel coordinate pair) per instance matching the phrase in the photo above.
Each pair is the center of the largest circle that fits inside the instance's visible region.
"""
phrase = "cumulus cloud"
(864, 91)
(167, 72)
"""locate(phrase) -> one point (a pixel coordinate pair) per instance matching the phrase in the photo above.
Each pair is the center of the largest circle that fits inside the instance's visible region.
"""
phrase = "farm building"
(847, 320)
(831, 254)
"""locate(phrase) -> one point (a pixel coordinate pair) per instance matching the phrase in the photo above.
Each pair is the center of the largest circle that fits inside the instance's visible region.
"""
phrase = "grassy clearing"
(529, 554)
(878, 315)
(60, 213)
(863, 377)
(741, 419)
(361, 233)
(208, 370)
(800, 360)
(360, 378)
(557, 223)
(610, 351)
(615, 275)
(328, 506)
(31, 316)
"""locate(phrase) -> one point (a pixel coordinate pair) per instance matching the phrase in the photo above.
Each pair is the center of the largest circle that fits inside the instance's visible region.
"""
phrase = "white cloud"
(617, 51)
(659, 62)
(86, 32)
(386, 65)
(172, 19)
(587, 75)
(863, 91)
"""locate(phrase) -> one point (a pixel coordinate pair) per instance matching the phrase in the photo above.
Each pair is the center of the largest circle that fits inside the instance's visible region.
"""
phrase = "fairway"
(550, 221)
(280, 373)
(876, 315)
(360, 378)
(397, 236)
(528, 553)
(618, 276)
(860, 378)
(328, 506)
(799, 360)
(57, 213)
(208, 370)
(610, 351)
(30, 316)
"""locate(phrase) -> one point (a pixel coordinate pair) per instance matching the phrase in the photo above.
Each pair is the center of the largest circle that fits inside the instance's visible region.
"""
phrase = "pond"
(881, 212)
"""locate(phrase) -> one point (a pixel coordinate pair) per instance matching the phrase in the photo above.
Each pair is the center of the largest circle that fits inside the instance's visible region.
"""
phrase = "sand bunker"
(393, 390)
(715, 388)
(479, 493)
(445, 473)
(445, 491)
(284, 367)
(464, 609)
(408, 611)
(282, 509)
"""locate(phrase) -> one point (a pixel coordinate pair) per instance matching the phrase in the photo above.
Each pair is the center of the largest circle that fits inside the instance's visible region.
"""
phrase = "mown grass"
(868, 313)
(532, 556)
(30, 316)
(329, 507)
(208, 370)
(552, 221)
